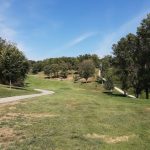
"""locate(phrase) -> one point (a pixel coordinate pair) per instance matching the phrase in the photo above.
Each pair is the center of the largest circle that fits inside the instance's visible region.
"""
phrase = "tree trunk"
(137, 93)
(111, 91)
(125, 93)
(86, 80)
(10, 84)
(147, 94)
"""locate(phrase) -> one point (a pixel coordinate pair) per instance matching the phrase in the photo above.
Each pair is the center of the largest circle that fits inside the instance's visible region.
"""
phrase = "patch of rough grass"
(12, 108)
(39, 115)
(147, 109)
(71, 105)
(9, 105)
(8, 136)
(110, 139)
(10, 116)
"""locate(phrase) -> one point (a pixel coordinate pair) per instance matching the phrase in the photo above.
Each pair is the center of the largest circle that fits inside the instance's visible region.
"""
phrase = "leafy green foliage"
(86, 69)
(132, 59)
(106, 64)
(55, 69)
(108, 84)
(47, 70)
(123, 60)
(36, 67)
(64, 70)
(13, 64)
(72, 62)
(143, 34)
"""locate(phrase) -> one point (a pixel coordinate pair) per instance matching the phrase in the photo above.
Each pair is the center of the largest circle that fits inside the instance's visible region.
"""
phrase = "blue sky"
(54, 28)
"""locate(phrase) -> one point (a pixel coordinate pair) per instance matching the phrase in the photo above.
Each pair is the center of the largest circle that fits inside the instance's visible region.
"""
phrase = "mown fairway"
(76, 117)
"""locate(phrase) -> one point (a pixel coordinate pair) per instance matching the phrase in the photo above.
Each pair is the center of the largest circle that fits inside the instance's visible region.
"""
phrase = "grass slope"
(75, 117)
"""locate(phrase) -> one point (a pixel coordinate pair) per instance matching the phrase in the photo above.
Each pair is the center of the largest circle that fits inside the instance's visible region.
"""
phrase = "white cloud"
(75, 41)
(80, 39)
(106, 43)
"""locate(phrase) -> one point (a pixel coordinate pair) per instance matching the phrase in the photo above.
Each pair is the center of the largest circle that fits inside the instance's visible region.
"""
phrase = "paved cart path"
(17, 98)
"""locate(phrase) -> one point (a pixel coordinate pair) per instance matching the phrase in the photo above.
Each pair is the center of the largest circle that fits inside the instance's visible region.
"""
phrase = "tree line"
(52, 66)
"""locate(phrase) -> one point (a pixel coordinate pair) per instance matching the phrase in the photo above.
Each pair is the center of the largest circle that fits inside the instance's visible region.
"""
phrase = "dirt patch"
(12, 108)
(6, 135)
(39, 115)
(70, 78)
(110, 139)
(147, 109)
(10, 116)
(71, 105)
(9, 105)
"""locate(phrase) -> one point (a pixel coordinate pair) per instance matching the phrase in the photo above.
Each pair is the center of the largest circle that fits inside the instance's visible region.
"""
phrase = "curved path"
(16, 98)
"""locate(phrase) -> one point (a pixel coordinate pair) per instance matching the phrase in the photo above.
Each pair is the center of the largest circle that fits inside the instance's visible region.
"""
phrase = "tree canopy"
(132, 59)
(86, 69)
(13, 64)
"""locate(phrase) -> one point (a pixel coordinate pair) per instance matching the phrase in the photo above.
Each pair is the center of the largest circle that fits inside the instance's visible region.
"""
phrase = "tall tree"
(47, 70)
(133, 66)
(143, 33)
(122, 61)
(13, 64)
(55, 69)
(106, 65)
(64, 70)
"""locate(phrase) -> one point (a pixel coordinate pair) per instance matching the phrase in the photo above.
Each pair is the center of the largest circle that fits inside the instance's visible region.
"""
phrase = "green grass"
(77, 111)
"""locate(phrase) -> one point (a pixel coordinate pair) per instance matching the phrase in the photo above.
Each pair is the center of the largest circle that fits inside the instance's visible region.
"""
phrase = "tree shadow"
(47, 77)
(17, 88)
(114, 94)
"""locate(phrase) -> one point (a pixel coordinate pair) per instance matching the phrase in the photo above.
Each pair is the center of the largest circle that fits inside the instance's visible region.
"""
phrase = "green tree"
(134, 67)
(106, 65)
(93, 57)
(108, 84)
(47, 70)
(86, 69)
(55, 69)
(37, 67)
(64, 70)
(13, 64)
(143, 33)
(122, 60)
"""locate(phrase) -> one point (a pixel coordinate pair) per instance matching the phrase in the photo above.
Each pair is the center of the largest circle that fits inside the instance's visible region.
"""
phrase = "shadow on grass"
(47, 77)
(114, 94)
(17, 88)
